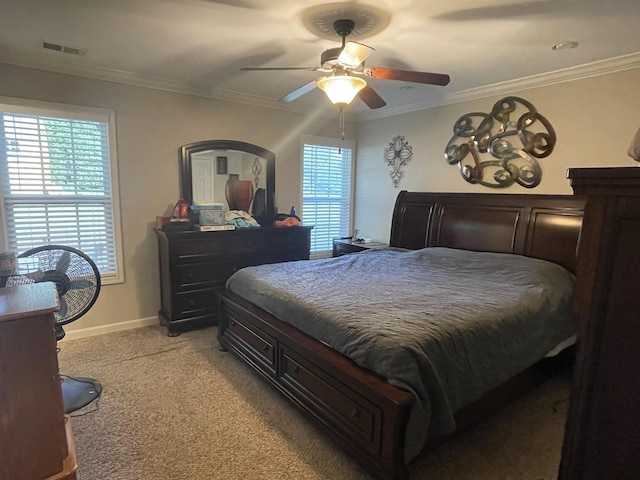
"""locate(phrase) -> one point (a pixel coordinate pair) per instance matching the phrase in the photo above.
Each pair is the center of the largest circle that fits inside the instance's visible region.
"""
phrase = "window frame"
(76, 112)
(333, 143)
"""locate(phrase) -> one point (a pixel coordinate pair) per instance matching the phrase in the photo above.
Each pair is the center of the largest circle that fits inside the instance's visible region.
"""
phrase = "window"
(326, 189)
(58, 178)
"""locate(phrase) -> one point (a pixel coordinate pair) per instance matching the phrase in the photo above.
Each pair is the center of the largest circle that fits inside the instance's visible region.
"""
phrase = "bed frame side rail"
(363, 413)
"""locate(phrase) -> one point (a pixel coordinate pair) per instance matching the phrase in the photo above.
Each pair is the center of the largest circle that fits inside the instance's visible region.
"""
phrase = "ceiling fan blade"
(298, 92)
(369, 96)
(256, 69)
(354, 53)
(407, 75)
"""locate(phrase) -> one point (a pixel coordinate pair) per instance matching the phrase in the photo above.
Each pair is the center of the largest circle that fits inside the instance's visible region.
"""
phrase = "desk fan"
(77, 281)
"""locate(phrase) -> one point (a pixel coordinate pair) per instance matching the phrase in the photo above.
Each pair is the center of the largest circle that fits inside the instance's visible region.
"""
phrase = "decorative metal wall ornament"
(397, 154)
(634, 147)
(256, 169)
(492, 133)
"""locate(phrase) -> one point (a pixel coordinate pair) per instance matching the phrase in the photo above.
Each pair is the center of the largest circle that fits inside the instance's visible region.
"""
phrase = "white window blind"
(326, 191)
(56, 174)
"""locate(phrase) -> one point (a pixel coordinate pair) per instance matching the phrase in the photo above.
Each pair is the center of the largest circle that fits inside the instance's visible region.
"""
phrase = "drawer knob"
(232, 323)
(295, 369)
(266, 348)
(355, 413)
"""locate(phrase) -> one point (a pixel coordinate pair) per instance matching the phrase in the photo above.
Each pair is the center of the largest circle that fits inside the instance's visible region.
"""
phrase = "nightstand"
(344, 247)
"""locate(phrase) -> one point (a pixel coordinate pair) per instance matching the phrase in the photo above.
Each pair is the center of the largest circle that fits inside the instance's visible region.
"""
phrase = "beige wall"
(151, 125)
(594, 119)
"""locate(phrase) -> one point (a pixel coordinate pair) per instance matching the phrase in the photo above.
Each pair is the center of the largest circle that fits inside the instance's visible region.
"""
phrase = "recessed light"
(565, 45)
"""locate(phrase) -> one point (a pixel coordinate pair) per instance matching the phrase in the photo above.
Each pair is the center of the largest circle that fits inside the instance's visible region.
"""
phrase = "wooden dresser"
(35, 436)
(602, 436)
(195, 265)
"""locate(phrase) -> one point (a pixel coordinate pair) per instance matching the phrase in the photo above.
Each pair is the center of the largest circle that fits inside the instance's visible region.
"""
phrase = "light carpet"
(178, 408)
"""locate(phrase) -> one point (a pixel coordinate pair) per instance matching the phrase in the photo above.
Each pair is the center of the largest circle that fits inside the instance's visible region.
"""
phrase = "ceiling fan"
(345, 66)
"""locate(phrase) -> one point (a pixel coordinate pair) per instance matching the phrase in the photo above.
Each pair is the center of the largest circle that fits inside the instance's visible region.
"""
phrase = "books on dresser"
(210, 214)
(213, 228)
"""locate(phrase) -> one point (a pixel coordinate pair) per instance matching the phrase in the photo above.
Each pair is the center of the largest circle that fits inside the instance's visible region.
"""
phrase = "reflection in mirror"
(212, 169)
(237, 174)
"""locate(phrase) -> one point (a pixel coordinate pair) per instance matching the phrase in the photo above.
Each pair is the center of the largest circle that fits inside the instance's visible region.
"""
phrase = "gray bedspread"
(445, 324)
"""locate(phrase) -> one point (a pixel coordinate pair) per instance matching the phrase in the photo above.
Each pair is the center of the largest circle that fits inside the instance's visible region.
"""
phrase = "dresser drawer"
(194, 261)
(194, 275)
(195, 302)
(220, 245)
(360, 419)
(253, 344)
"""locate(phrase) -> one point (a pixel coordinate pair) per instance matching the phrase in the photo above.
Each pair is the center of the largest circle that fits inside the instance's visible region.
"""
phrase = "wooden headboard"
(539, 226)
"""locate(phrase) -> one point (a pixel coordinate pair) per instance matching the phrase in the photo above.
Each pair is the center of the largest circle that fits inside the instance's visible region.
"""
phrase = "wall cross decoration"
(491, 135)
(397, 154)
(256, 169)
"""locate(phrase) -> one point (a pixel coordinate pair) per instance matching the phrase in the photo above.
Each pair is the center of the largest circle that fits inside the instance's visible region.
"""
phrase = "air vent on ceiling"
(64, 49)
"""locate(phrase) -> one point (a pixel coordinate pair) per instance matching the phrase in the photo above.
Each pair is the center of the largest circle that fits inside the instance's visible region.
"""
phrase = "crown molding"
(46, 63)
(43, 62)
(593, 69)
(603, 67)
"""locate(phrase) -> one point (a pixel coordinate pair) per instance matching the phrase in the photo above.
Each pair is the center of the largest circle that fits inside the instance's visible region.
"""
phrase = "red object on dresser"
(181, 209)
(239, 194)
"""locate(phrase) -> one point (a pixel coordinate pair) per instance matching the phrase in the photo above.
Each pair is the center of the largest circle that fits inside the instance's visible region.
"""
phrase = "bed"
(321, 349)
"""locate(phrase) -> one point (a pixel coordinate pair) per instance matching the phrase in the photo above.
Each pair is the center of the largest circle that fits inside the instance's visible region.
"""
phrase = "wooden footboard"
(363, 413)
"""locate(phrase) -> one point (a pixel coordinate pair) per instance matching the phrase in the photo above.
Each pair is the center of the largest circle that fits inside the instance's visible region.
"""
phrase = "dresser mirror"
(209, 167)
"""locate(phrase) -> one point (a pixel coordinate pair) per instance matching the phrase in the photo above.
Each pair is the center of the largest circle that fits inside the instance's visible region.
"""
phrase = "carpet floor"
(178, 408)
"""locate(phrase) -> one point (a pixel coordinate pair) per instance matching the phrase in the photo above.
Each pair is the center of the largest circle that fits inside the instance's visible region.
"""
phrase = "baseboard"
(112, 327)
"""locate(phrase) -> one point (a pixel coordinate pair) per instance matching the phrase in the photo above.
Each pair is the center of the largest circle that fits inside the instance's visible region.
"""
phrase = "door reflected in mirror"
(211, 170)
(231, 173)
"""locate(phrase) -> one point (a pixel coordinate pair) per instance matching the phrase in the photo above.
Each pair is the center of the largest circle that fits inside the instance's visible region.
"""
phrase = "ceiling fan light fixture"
(341, 89)
(354, 53)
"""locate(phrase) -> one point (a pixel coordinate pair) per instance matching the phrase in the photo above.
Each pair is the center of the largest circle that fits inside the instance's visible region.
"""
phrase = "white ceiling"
(198, 46)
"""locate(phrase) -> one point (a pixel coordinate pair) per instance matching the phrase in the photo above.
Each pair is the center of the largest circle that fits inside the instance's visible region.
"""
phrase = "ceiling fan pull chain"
(341, 124)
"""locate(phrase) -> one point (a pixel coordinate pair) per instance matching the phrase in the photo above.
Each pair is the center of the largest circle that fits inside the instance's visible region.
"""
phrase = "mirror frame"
(186, 185)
